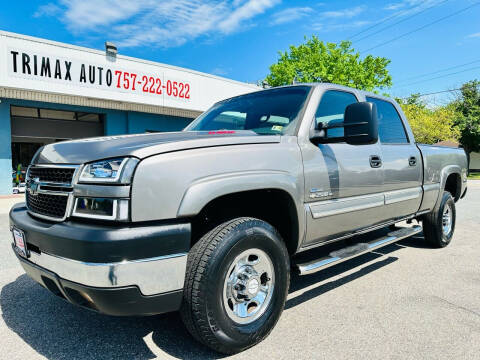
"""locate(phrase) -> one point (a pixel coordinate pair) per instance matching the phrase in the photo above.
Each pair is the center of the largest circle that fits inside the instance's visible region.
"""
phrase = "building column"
(5, 149)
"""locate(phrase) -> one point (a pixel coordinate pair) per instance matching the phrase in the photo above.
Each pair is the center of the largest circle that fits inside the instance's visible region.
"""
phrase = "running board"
(336, 257)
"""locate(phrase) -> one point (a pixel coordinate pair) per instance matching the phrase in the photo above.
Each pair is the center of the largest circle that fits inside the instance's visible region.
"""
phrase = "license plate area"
(20, 242)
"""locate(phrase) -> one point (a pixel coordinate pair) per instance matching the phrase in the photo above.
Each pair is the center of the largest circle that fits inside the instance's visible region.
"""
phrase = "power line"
(439, 71)
(442, 76)
(400, 13)
(400, 21)
(422, 27)
(432, 93)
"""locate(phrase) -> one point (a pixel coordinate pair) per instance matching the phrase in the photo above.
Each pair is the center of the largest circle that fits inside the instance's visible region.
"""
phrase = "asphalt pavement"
(405, 301)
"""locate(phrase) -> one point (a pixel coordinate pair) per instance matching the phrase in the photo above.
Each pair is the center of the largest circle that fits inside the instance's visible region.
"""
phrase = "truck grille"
(54, 206)
(49, 189)
(51, 174)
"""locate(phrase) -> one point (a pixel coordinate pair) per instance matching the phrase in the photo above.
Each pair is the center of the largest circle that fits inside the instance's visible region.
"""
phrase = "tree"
(430, 125)
(469, 124)
(316, 61)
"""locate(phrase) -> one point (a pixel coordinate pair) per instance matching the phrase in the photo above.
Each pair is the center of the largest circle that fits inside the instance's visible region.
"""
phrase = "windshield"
(270, 112)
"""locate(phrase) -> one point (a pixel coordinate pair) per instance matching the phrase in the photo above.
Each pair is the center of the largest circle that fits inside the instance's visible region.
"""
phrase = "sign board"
(41, 65)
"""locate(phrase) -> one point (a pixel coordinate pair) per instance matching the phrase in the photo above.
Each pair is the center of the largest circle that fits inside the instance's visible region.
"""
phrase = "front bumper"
(118, 301)
(133, 286)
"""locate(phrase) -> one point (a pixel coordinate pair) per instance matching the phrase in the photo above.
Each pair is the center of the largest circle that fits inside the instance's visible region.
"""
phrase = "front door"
(343, 183)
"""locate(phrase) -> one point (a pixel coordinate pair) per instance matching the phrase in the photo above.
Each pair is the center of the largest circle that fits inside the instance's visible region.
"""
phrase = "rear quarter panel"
(438, 163)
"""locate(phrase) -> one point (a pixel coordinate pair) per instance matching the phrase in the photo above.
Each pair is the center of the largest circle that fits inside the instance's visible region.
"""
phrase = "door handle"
(375, 161)
(412, 161)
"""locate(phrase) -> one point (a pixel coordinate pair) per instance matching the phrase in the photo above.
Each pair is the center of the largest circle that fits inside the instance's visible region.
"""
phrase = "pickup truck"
(211, 220)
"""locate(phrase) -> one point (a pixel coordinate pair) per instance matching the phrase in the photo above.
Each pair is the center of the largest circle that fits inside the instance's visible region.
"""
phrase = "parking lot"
(404, 301)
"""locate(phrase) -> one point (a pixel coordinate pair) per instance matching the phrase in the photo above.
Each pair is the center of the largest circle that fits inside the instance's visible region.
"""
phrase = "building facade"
(51, 92)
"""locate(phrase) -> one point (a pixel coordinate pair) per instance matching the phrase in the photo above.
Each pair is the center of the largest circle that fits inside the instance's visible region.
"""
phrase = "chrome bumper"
(152, 276)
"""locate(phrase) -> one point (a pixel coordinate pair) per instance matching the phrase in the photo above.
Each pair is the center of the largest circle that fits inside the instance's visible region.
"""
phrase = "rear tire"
(439, 225)
(229, 301)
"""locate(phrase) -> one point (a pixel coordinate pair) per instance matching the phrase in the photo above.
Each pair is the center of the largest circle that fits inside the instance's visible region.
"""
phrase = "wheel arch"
(451, 181)
(212, 202)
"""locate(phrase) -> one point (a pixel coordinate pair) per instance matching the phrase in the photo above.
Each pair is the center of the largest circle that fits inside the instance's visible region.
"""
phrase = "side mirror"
(361, 124)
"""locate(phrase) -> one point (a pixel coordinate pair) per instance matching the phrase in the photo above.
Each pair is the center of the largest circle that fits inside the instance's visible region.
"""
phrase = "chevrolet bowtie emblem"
(32, 186)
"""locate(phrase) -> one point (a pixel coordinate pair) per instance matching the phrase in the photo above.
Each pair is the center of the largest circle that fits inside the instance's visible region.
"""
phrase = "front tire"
(236, 285)
(439, 225)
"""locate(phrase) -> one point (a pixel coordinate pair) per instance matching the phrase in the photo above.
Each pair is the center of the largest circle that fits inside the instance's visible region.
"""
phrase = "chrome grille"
(49, 191)
(54, 206)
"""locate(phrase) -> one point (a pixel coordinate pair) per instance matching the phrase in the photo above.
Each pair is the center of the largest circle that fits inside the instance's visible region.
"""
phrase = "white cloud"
(219, 71)
(158, 23)
(410, 6)
(475, 35)
(340, 26)
(290, 14)
(394, 6)
(49, 9)
(244, 12)
(91, 14)
(344, 13)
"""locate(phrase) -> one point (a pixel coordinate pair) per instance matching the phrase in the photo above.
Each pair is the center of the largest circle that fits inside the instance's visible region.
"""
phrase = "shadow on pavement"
(300, 282)
(59, 330)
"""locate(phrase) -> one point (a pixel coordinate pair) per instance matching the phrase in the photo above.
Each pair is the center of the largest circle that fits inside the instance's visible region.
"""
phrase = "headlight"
(118, 171)
(101, 208)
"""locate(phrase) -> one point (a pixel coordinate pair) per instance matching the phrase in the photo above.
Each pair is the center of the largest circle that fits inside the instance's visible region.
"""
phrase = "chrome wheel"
(248, 286)
(447, 220)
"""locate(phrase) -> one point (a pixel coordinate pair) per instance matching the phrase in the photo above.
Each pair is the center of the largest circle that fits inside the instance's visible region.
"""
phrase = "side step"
(336, 257)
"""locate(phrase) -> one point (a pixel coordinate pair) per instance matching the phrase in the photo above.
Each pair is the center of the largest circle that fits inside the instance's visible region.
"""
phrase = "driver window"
(332, 109)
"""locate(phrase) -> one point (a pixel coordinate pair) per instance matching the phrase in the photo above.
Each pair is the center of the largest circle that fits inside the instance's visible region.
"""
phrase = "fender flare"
(444, 174)
(204, 190)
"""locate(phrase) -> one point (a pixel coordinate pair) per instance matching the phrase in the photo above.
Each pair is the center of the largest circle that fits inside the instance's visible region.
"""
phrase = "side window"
(390, 126)
(332, 109)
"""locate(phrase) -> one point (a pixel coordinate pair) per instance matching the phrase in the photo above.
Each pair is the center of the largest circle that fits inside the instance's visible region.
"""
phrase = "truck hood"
(143, 145)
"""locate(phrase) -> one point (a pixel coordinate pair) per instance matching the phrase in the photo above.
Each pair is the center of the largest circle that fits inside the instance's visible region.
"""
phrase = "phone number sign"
(78, 73)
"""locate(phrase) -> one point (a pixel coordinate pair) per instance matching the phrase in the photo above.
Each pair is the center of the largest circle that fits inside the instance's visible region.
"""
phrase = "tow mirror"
(361, 124)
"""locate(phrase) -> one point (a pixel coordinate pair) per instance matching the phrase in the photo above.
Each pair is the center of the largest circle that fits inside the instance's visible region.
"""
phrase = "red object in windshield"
(220, 132)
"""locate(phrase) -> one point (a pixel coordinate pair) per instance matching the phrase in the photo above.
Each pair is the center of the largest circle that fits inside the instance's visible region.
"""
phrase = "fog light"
(101, 208)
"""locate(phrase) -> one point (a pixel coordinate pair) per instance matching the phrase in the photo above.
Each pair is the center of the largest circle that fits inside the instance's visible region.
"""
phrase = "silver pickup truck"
(210, 220)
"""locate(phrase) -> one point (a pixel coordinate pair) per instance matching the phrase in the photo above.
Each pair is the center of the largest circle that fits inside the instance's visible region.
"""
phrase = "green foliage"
(316, 61)
(469, 124)
(430, 125)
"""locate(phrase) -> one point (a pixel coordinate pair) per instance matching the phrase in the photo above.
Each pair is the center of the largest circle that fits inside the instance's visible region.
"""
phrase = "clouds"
(341, 19)
(47, 10)
(290, 14)
(164, 24)
(155, 23)
(244, 12)
(475, 35)
(344, 13)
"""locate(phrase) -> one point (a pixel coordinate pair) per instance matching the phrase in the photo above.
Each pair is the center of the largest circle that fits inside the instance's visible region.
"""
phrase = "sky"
(433, 45)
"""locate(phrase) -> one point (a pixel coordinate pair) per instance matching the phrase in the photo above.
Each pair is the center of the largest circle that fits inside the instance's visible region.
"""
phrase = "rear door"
(401, 162)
